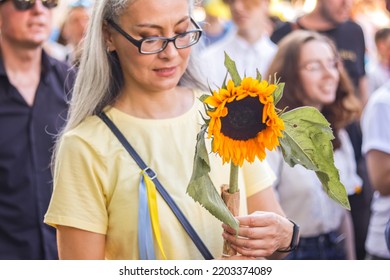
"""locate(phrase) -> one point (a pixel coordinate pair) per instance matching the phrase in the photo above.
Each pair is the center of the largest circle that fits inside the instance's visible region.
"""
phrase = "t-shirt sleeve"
(78, 199)
(257, 176)
(361, 53)
(280, 32)
(375, 136)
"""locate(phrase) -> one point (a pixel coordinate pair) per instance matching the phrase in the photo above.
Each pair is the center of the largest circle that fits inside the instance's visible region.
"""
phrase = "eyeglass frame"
(30, 5)
(138, 43)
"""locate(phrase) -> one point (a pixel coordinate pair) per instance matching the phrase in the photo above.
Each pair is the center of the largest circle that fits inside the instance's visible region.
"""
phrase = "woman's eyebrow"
(156, 26)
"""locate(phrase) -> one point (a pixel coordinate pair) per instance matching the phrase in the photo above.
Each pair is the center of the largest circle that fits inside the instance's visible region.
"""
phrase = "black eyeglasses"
(153, 45)
(24, 5)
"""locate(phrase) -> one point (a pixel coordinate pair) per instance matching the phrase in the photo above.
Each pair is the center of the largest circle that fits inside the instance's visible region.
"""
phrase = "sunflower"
(243, 121)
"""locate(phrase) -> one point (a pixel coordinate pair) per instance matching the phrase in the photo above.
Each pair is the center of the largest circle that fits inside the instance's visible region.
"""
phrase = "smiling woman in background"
(309, 65)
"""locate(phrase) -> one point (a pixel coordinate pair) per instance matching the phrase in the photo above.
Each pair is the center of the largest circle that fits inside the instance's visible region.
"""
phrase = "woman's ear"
(107, 33)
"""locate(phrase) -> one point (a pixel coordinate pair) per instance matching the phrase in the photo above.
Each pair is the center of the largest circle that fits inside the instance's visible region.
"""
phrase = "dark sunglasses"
(24, 5)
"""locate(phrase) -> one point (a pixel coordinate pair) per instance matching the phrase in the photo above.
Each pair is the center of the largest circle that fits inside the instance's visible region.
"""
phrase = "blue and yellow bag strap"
(148, 222)
(147, 172)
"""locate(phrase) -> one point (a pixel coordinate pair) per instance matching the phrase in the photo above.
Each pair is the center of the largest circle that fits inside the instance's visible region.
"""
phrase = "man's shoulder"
(59, 73)
(350, 26)
(378, 104)
(62, 69)
(281, 31)
(58, 64)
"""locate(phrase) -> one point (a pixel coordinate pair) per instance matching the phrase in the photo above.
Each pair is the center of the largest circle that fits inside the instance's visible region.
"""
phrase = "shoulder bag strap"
(153, 176)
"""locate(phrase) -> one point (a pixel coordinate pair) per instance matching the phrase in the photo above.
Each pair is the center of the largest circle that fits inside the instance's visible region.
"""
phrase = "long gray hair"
(99, 77)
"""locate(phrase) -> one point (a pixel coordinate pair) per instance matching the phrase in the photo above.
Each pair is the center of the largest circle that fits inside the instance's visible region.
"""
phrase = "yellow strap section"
(152, 201)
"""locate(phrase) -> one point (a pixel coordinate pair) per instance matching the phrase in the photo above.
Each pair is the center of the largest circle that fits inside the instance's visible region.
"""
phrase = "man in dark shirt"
(332, 18)
(33, 107)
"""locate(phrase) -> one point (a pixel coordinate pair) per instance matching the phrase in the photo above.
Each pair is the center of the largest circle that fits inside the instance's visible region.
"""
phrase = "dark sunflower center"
(243, 120)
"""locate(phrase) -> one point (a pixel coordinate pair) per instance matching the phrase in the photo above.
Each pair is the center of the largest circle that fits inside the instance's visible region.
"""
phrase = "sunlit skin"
(154, 76)
(25, 29)
(318, 73)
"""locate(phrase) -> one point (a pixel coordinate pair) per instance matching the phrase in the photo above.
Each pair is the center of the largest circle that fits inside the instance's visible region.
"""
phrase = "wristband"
(294, 240)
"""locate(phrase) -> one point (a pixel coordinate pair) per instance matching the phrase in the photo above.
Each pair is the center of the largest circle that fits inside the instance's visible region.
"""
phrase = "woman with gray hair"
(137, 71)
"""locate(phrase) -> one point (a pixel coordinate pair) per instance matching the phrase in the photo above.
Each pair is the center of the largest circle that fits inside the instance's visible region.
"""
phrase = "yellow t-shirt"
(96, 182)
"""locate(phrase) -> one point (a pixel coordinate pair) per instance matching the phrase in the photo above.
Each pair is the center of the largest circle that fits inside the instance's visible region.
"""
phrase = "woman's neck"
(157, 105)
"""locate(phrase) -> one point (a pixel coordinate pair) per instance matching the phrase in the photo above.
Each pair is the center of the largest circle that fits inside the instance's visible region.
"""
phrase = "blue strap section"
(145, 234)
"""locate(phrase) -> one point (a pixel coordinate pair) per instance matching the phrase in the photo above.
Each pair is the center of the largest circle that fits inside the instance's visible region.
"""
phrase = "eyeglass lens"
(314, 66)
(181, 41)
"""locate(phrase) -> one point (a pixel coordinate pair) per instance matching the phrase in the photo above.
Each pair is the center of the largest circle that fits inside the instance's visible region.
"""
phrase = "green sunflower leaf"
(307, 141)
(202, 189)
(224, 80)
(203, 97)
(232, 69)
(258, 75)
(278, 93)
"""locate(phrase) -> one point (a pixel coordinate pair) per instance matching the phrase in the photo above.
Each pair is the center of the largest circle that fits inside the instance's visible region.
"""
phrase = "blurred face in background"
(383, 49)
(247, 14)
(75, 25)
(387, 52)
(335, 11)
(318, 72)
(29, 28)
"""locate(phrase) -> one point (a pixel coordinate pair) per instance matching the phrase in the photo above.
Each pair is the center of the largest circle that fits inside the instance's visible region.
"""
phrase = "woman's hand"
(260, 234)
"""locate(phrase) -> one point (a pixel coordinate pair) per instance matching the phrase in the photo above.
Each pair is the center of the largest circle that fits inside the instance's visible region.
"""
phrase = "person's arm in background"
(378, 165)
(376, 139)
(346, 229)
(363, 90)
(387, 234)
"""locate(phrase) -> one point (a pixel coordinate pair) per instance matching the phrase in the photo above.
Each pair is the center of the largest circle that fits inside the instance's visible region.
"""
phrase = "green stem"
(233, 184)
